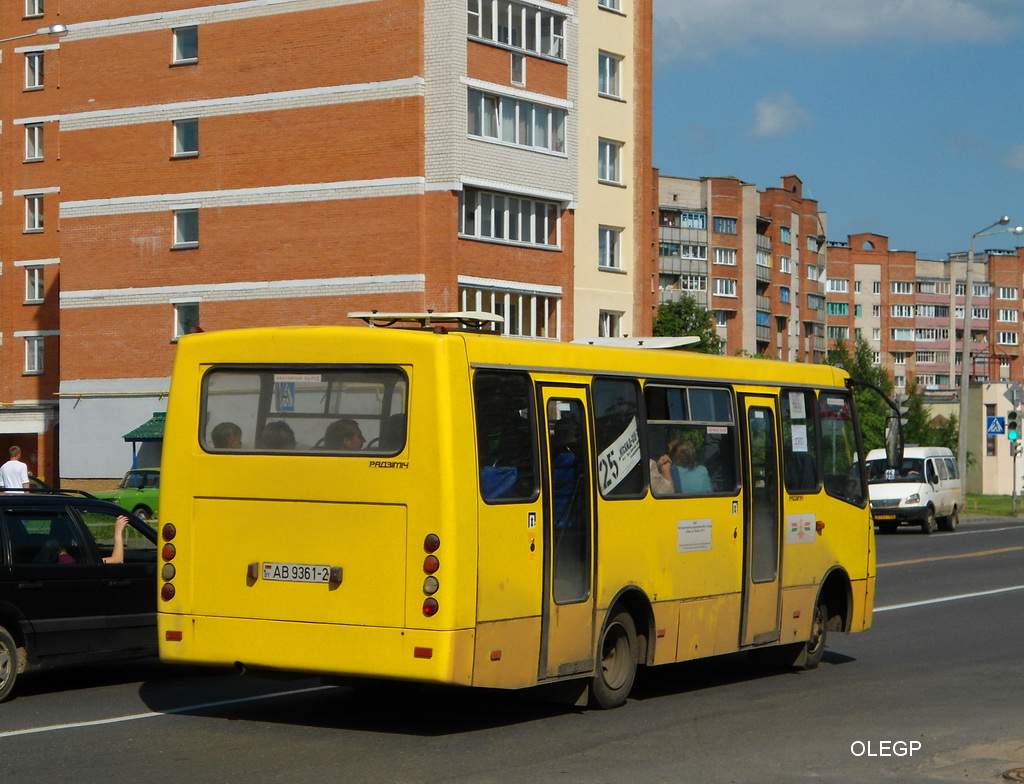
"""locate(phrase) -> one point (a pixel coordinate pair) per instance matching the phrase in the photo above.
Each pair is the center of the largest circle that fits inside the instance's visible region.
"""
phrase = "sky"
(901, 117)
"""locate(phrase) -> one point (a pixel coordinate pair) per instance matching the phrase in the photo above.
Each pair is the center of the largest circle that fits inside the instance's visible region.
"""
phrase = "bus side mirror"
(893, 442)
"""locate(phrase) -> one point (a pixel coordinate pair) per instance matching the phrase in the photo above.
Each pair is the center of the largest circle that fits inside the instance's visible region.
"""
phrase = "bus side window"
(800, 442)
(506, 436)
(842, 475)
(616, 415)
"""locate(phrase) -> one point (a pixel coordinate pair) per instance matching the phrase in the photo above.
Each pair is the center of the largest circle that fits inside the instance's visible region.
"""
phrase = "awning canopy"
(153, 430)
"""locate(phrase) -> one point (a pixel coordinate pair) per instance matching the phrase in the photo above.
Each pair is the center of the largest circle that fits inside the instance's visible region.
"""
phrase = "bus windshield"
(304, 409)
(912, 470)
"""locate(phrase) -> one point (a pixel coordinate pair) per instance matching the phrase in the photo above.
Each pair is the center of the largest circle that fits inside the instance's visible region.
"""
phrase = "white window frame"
(517, 69)
(186, 228)
(785, 264)
(35, 284)
(186, 137)
(528, 313)
(34, 355)
(902, 287)
(34, 70)
(609, 248)
(1009, 315)
(725, 256)
(34, 218)
(179, 54)
(609, 161)
(1008, 339)
(609, 324)
(611, 5)
(186, 317)
(33, 8)
(524, 28)
(510, 219)
(838, 285)
(1007, 292)
(609, 75)
(725, 287)
(901, 311)
(33, 141)
(507, 120)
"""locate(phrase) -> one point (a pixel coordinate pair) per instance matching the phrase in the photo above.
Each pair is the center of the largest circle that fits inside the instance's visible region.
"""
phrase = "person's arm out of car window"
(117, 554)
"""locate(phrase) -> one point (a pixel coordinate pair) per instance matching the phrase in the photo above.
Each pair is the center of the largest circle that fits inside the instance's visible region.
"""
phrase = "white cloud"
(780, 114)
(696, 29)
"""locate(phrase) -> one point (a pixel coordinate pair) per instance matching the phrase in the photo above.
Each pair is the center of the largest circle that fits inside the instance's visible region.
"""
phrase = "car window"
(45, 536)
(100, 524)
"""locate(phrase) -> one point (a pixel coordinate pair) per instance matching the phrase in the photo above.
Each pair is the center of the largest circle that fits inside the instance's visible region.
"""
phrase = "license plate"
(296, 573)
(885, 517)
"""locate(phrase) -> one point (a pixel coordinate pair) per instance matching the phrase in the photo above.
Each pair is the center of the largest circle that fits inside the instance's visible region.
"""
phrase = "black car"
(60, 604)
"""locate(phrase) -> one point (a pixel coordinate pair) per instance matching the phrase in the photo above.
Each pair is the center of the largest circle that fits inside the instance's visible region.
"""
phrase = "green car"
(139, 492)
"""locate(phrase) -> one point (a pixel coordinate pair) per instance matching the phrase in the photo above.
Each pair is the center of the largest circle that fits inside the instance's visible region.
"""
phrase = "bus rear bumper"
(319, 649)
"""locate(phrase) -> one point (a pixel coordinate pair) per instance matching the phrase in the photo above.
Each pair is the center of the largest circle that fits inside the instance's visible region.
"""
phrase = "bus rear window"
(338, 410)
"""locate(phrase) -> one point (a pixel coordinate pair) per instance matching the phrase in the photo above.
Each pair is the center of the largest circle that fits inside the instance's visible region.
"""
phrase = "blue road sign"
(995, 425)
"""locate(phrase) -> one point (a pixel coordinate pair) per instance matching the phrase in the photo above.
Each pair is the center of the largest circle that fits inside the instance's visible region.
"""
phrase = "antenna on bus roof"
(667, 342)
(468, 319)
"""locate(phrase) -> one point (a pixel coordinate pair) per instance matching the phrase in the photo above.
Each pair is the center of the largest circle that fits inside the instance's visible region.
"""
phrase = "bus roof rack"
(469, 319)
(649, 342)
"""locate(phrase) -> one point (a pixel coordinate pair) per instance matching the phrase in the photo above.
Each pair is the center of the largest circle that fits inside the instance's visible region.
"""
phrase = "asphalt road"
(934, 692)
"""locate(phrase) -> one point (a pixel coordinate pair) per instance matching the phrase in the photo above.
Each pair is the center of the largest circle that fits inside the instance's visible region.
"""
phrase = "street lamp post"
(55, 31)
(965, 358)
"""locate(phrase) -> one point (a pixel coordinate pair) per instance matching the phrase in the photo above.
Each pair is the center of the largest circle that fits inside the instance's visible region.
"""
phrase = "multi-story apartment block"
(173, 166)
(912, 311)
(756, 259)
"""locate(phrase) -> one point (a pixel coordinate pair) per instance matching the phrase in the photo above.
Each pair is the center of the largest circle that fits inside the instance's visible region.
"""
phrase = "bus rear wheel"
(616, 669)
(807, 656)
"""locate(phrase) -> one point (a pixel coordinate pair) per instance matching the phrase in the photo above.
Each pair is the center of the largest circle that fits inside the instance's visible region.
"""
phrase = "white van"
(925, 491)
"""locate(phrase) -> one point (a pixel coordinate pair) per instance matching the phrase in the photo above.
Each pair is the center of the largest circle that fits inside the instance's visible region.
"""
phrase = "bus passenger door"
(762, 524)
(568, 611)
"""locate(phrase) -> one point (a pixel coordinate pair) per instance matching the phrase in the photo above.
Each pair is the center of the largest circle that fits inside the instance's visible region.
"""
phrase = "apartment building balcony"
(763, 242)
(675, 265)
(763, 334)
(763, 274)
(676, 295)
(674, 234)
(763, 303)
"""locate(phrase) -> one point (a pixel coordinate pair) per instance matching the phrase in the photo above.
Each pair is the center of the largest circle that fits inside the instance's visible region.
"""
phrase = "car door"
(53, 580)
(127, 591)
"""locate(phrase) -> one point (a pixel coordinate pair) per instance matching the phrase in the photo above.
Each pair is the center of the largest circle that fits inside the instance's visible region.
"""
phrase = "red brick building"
(173, 165)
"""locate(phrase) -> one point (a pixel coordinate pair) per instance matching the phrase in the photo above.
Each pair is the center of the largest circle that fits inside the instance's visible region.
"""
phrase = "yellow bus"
(448, 506)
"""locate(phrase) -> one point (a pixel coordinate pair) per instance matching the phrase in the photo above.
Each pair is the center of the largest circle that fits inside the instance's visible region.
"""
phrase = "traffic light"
(1015, 449)
(1013, 425)
(904, 412)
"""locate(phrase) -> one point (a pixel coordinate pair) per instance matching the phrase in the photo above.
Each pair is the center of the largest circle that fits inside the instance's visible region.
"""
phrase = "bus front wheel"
(616, 669)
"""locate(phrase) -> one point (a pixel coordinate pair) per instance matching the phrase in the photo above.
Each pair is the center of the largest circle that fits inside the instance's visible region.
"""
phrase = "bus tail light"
(167, 571)
(431, 543)
(429, 605)
(431, 564)
(167, 592)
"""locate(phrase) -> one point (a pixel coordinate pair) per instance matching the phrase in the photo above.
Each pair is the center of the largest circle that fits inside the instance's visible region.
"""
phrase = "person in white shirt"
(14, 473)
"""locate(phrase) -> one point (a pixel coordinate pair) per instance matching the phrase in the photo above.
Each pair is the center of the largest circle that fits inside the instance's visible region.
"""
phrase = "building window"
(1007, 339)
(902, 287)
(34, 355)
(186, 138)
(1007, 292)
(901, 311)
(186, 228)
(725, 225)
(33, 70)
(612, 5)
(609, 250)
(33, 7)
(186, 45)
(785, 264)
(693, 283)
(608, 165)
(725, 256)
(838, 309)
(839, 333)
(784, 294)
(764, 259)
(785, 235)
(34, 142)
(527, 313)
(608, 83)
(608, 324)
(876, 287)
(34, 212)
(522, 123)
(1008, 314)
(524, 27)
(838, 285)
(518, 74)
(34, 284)
(721, 318)
(186, 318)
(679, 219)
(725, 287)
(507, 218)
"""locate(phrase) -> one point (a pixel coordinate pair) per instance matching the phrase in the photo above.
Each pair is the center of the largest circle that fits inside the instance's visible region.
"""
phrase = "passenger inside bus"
(688, 476)
(344, 435)
(278, 435)
(226, 435)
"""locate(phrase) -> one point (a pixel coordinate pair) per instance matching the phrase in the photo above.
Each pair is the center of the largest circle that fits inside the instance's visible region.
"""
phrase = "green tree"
(872, 409)
(686, 317)
(918, 429)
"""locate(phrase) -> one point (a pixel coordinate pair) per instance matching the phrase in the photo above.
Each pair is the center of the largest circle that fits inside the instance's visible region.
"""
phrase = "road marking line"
(949, 598)
(153, 714)
(950, 557)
